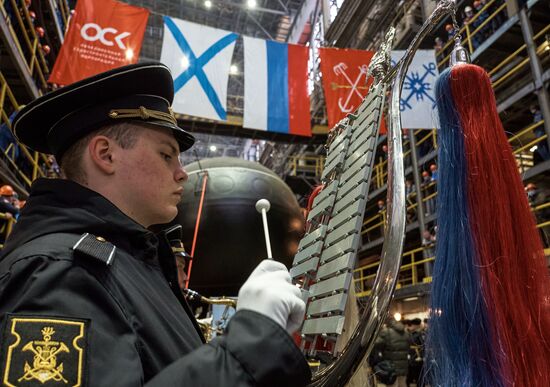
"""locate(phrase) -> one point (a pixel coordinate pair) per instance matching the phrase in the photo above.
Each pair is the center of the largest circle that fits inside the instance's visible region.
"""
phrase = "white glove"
(269, 291)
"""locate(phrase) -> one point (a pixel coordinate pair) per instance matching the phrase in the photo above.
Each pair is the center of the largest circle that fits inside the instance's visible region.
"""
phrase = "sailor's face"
(181, 269)
(153, 176)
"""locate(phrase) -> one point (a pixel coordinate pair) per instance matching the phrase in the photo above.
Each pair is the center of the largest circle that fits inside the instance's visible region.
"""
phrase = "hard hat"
(40, 31)
(468, 9)
(6, 190)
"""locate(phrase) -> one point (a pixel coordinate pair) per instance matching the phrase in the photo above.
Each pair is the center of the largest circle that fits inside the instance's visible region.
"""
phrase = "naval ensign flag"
(199, 58)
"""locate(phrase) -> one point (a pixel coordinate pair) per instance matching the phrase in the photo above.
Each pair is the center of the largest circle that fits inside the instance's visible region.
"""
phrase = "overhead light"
(184, 62)
(410, 299)
(233, 69)
(251, 3)
(397, 316)
(213, 148)
(208, 4)
(129, 54)
(533, 148)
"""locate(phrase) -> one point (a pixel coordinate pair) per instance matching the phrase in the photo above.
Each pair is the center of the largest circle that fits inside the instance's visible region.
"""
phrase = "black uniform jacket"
(69, 318)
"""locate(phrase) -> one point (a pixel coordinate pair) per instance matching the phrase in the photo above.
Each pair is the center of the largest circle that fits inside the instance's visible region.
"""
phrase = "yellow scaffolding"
(523, 63)
(7, 225)
(307, 164)
(30, 51)
(9, 104)
(380, 170)
(410, 273)
(466, 31)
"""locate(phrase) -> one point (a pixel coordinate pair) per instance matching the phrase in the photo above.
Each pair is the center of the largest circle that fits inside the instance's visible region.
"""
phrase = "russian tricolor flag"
(275, 87)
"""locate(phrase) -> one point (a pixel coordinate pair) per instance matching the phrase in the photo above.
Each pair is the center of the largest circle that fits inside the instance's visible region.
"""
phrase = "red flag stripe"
(298, 99)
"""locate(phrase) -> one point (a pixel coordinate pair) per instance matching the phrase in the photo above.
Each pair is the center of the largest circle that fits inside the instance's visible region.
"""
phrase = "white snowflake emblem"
(418, 86)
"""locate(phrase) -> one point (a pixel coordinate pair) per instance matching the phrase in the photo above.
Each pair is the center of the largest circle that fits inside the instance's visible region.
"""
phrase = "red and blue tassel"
(490, 302)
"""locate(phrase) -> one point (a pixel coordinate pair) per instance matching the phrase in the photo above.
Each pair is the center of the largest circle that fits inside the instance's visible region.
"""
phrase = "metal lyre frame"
(377, 305)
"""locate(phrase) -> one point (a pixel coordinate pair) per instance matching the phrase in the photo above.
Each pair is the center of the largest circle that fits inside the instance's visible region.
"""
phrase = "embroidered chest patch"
(44, 351)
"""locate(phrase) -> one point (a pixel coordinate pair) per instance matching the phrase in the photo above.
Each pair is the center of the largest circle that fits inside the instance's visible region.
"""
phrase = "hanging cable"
(197, 224)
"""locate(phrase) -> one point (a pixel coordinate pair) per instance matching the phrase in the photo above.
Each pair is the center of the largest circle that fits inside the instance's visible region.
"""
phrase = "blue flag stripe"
(277, 87)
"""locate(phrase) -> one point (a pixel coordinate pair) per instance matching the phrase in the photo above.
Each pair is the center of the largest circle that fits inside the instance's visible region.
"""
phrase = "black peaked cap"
(140, 93)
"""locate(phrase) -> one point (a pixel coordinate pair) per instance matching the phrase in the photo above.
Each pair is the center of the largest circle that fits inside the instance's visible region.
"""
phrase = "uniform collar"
(64, 206)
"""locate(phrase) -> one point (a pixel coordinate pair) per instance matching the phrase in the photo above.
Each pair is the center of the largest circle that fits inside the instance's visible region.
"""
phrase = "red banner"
(344, 80)
(102, 35)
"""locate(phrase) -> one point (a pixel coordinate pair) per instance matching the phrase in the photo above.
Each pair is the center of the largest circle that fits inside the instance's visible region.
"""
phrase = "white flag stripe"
(418, 93)
(255, 83)
(191, 98)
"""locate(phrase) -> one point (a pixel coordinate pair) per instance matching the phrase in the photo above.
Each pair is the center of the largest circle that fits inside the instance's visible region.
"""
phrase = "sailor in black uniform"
(88, 295)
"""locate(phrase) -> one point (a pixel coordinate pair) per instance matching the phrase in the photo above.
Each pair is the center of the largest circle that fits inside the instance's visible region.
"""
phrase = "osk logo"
(92, 32)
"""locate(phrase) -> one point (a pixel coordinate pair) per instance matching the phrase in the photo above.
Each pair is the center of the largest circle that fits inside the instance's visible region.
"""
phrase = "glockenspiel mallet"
(262, 206)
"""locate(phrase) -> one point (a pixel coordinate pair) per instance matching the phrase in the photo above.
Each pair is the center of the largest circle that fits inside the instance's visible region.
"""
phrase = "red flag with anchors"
(344, 80)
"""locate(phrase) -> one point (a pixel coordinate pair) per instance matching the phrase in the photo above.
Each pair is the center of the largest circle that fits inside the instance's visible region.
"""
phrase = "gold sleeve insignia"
(48, 351)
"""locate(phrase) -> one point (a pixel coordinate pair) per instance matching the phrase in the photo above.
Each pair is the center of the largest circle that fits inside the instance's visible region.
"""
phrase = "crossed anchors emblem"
(44, 365)
(340, 69)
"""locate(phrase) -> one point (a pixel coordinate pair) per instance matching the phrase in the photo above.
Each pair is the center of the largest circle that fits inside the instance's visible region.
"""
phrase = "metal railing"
(530, 144)
(65, 11)
(34, 160)
(312, 165)
(380, 171)
(468, 32)
(523, 63)
(27, 41)
(378, 220)
(7, 221)
(413, 272)
(543, 222)
(410, 273)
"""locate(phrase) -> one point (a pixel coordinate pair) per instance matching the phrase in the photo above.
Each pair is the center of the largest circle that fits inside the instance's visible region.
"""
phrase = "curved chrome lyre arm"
(377, 305)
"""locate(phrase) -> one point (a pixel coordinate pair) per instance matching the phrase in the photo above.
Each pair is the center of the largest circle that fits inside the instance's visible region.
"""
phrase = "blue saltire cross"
(196, 64)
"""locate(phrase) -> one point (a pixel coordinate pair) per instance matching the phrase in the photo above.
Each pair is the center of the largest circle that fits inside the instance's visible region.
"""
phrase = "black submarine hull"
(230, 241)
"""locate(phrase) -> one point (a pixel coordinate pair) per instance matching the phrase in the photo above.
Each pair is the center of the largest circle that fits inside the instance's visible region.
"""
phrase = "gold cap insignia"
(145, 114)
